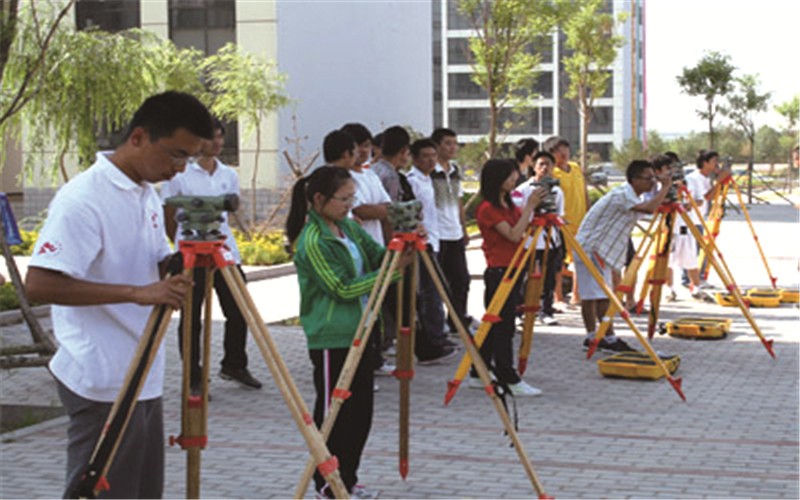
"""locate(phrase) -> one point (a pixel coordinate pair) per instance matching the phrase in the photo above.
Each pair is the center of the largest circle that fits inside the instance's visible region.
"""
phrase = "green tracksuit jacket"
(330, 291)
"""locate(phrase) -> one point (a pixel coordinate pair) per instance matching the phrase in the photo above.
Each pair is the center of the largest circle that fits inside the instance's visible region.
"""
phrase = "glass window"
(205, 25)
(456, 20)
(461, 86)
(458, 51)
(602, 121)
(107, 15)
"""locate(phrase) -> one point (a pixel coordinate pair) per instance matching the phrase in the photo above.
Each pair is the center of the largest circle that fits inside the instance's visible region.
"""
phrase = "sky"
(761, 37)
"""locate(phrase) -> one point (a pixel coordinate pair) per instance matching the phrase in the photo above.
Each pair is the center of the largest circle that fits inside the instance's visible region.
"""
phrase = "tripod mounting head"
(201, 216)
(405, 216)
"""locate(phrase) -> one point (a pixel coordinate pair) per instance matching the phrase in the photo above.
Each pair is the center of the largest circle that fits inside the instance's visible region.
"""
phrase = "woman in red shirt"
(502, 225)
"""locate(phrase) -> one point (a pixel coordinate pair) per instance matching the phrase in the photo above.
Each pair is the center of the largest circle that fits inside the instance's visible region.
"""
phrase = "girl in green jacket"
(337, 265)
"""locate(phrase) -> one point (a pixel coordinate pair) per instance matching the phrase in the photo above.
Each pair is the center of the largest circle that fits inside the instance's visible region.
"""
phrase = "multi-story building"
(462, 105)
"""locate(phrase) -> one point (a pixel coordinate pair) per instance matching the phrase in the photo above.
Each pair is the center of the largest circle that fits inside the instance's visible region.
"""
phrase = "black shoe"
(448, 343)
(443, 355)
(241, 375)
(618, 345)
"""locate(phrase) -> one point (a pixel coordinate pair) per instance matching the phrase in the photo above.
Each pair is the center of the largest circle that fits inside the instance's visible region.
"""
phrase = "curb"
(14, 316)
(33, 429)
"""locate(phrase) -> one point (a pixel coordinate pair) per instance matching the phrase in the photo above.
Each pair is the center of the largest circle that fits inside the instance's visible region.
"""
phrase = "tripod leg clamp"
(189, 441)
(341, 393)
(526, 309)
(624, 288)
(491, 318)
(328, 466)
(404, 374)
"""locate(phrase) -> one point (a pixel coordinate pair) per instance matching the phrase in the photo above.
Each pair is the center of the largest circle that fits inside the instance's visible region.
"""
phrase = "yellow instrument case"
(636, 365)
(699, 328)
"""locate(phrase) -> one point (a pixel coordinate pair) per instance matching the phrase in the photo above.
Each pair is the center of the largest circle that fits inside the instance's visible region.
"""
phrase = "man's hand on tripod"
(170, 291)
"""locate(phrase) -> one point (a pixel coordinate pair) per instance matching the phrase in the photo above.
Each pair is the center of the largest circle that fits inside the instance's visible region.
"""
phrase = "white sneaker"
(385, 370)
(548, 320)
(705, 285)
(522, 388)
(361, 492)
(476, 382)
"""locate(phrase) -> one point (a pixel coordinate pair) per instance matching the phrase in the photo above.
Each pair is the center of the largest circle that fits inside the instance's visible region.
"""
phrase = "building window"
(461, 86)
(107, 15)
(476, 121)
(455, 19)
(602, 121)
(458, 51)
(205, 25)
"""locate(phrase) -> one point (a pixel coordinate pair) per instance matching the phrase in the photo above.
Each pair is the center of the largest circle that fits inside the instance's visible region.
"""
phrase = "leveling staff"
(97, 260)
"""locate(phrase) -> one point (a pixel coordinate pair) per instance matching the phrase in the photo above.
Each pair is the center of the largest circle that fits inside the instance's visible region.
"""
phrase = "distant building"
(462, 105)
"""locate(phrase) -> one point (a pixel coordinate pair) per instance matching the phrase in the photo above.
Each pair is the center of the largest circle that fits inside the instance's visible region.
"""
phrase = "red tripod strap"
(328, 466)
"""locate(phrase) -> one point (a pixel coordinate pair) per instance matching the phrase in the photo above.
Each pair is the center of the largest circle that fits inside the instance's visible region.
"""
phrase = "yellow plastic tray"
(699, 327)
(790, 295)
(764, 297)
(636, 365)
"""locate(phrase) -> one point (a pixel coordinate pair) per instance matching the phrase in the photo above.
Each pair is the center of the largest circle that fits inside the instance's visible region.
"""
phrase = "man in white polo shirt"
(210, 177)
(97, 261)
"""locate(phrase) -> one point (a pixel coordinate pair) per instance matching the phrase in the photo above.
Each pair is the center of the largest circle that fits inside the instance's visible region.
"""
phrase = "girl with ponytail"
(337, 263)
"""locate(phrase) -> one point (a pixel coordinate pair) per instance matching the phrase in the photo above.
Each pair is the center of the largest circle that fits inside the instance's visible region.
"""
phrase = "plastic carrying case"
(634, 364)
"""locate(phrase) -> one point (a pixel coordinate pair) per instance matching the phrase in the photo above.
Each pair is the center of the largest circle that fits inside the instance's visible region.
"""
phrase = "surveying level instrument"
(400, 243)
(532, 297)
(664, 223)
(204, 249)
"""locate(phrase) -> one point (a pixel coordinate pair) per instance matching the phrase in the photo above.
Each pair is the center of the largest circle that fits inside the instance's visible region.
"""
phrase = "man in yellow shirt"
(576, 201)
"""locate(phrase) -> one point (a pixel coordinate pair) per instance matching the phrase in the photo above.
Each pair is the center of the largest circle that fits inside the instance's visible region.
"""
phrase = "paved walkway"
(587, 436)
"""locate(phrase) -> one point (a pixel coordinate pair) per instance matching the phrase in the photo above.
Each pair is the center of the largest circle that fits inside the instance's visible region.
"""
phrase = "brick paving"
(587, 436)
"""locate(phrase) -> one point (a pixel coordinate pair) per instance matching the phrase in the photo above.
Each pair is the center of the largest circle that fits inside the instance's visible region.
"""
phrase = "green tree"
(711, 78)
(768, 143)
(743, 104)
(93, 89)
(630, 150)
(502, 52)
(791, 111)
(247, 89)
(655, 143)
(592, 47)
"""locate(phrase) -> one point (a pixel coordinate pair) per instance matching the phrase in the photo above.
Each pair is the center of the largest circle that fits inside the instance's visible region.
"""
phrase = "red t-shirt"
(497, 248)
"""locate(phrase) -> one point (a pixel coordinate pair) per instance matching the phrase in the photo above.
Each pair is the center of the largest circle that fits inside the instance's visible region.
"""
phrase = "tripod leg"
(483, 373)
(660, 273)
(656, 236)
(492, 314)
(328, 465)
(405, 368)
(360, 340)
(714, 222)
(734, 291)
(532, 303)
(627, 283)
(573, 243)
(772, 278)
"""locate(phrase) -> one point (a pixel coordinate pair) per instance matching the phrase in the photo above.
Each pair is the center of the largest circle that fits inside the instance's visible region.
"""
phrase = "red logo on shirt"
(154, 219)
(50, 247)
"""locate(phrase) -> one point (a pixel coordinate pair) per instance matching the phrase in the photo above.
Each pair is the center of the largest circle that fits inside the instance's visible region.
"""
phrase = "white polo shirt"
(103, 227)
(520, 197)
(447, 189)
(370, 191)
(698, 185)
(422, 185)
(196, 181)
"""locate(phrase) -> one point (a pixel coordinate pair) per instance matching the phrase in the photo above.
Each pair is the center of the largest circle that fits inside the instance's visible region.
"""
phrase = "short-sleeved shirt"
(422, 185)
(698, 185)
(608, 224)
(389, 177)
(196, 181)
(370, 191)
(497, 249)
(447, 191)
(103, 227)
(520, 196)
(574, 187)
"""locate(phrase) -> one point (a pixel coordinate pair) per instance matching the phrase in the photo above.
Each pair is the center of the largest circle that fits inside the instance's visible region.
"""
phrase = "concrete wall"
(368, 62)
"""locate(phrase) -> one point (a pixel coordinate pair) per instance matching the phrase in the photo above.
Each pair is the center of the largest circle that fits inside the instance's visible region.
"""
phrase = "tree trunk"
(39, 335)
(710, 126)
(750, 175)
(492, 127)
(255, 177)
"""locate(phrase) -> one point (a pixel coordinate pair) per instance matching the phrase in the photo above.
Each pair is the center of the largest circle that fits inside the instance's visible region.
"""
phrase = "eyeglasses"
(349, 200)
(178, 159)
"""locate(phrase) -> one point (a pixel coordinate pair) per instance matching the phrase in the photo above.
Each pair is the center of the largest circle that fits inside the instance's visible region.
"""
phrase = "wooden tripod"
(400, 243)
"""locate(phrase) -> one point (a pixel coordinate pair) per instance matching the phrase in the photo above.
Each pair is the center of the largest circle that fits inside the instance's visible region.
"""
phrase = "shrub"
(8, 297)
(265, 249)
(28, 241)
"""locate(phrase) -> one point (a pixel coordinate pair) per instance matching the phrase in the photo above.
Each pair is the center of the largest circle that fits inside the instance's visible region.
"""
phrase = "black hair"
(636, 168)
(377, 140)
(440, 133)
(674, 156)
(420, 144)
(525, 147)
(359, 132)
(395, 139)
(336, 144)
(661, 161)
(553, 143)
(493, 174)
(218, 124)
(325, 180)
(705, 155)
(162, 114)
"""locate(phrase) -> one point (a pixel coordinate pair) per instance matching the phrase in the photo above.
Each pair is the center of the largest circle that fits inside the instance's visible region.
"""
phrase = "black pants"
(453, 261)
(497, 349)
(555, 259)
(235, 326)
(349, 434)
